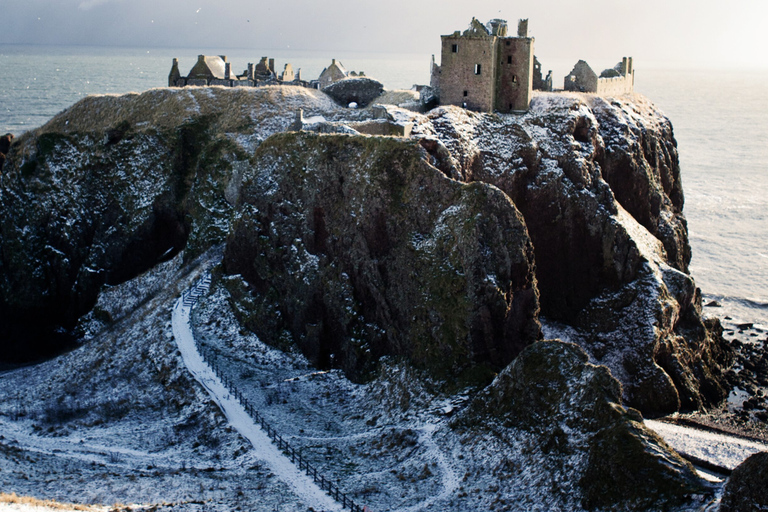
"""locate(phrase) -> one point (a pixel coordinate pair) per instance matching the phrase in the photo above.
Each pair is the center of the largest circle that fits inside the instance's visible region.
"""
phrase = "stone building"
(485, 69)
(332, 73)
(614, 81)
(217, 70)
(208, 70)
(541, 83)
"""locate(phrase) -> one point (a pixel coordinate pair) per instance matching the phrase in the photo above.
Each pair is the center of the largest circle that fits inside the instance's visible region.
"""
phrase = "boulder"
(361, 90)
(355, 247)
(747, 488)
(568, 437)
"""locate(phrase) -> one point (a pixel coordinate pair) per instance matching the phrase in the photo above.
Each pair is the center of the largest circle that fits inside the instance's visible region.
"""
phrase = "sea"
(720, 119)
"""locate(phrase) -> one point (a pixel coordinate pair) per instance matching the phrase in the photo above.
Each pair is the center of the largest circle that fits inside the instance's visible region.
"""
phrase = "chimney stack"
(522, 28)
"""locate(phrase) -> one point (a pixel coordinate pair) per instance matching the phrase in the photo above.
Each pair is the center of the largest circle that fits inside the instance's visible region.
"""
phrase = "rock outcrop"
(616, 271)
(111, 187)
(574, 445)
(115, 184)
(747, 488)
(358, 248)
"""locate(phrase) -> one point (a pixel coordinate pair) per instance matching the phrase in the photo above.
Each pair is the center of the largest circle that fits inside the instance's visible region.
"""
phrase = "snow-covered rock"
(116, 184)
(358, 248)
(598, 185)
(551, 431)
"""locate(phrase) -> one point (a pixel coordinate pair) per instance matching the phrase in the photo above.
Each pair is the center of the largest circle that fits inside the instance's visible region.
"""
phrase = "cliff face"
(358, 248)
(611, 252)
(108, 189)
(355, 247)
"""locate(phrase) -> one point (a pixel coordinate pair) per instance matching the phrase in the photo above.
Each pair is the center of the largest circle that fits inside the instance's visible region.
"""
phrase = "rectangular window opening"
(454, 48)
(478, 69)
(466, 93)
(509, 59)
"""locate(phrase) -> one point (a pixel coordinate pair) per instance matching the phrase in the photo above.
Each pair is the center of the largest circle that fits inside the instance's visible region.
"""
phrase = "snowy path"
(449, 479)
(78, 448)
(278, 463)
(718, 449)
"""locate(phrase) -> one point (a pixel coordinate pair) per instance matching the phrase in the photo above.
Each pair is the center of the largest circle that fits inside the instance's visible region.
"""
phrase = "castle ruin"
(485, 69)
(617, 80)
(217, 70)
(482, 69)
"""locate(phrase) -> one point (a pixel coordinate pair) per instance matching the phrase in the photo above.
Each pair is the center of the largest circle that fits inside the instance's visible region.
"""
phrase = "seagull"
(197, 11)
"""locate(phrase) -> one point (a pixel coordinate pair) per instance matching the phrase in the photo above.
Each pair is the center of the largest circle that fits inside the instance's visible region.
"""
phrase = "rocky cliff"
(439, 248)
(598, 184)
(358, 248)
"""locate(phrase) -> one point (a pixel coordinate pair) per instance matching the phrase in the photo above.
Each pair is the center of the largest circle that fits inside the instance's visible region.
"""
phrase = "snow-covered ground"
(123, 420)
(378, 440)
(718, 449)
(275, 460)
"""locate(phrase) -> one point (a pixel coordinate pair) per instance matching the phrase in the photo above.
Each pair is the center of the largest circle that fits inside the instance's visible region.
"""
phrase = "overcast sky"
(702, 32)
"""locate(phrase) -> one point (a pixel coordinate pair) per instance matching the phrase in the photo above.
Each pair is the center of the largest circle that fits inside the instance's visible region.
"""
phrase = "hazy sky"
(654, 31)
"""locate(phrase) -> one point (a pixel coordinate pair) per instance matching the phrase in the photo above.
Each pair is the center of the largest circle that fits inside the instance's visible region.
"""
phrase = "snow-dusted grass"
(237, 416)
(12, 502)
(379, 440)
(119, 421)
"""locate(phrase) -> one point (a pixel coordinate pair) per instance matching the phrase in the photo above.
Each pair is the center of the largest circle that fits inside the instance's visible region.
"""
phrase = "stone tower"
(484, 69)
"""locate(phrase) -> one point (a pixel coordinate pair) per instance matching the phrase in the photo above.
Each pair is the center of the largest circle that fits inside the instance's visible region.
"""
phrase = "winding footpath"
(301, 484)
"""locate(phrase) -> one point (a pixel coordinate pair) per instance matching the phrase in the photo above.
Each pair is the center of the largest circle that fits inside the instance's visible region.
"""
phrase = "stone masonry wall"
(515, 74)
(616, 85)
(458, 76)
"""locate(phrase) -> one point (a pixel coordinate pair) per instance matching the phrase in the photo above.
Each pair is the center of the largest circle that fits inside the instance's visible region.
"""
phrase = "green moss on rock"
(374, 252)
(569, 413)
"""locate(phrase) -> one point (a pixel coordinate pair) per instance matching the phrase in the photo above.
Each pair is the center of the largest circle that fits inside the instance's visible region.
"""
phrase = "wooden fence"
(190, 298)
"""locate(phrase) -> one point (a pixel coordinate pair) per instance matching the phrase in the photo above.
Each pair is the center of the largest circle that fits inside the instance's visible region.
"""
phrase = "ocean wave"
(742, 301)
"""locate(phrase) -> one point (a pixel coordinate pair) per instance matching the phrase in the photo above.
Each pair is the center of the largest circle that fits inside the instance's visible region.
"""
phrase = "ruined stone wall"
(616, 85)
(581, 78)
(514, 82)
(460, 82)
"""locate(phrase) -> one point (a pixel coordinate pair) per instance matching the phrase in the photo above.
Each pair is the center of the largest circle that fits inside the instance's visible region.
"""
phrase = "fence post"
(190, 298)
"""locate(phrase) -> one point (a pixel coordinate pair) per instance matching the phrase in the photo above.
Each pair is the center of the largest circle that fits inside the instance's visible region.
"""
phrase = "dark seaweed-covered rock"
(357, 248)
(747, 488)
(562, 422)
(5, 146)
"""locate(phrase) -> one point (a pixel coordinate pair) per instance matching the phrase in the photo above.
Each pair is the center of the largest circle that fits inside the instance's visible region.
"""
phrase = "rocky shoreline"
(745, 413)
